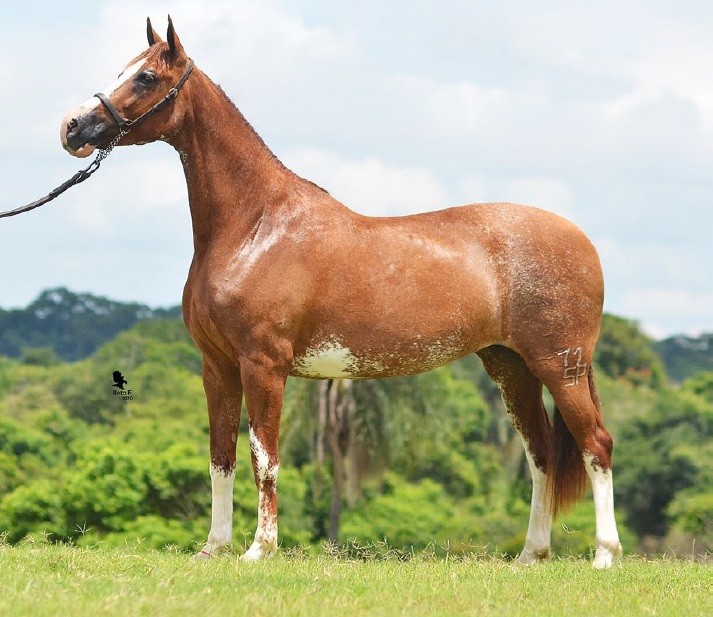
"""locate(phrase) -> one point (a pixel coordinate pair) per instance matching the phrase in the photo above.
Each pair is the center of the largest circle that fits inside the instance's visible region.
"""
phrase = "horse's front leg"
(224, 394)
(264, 385)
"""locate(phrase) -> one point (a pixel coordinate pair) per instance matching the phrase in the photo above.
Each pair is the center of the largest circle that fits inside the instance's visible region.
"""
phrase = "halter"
(125, 126)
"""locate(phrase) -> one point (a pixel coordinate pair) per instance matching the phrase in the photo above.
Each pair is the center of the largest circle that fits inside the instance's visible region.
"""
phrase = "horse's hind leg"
(578, 422)
(521, 392)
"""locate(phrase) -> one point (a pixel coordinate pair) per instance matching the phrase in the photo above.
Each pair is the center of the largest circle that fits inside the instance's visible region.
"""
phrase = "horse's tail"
(566, 474)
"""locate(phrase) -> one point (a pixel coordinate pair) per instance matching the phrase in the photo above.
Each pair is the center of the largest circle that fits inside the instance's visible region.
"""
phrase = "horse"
(286, 280)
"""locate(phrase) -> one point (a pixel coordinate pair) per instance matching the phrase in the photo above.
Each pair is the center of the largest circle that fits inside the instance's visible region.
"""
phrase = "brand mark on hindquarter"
(573, 370)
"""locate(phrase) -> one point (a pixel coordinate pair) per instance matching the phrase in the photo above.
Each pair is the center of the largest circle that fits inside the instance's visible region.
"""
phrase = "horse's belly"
(333, 359)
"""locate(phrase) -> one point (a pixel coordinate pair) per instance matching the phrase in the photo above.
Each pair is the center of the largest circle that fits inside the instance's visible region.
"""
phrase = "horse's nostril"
(72, 124)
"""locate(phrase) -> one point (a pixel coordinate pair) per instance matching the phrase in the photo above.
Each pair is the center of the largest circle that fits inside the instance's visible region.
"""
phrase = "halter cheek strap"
(125, 124)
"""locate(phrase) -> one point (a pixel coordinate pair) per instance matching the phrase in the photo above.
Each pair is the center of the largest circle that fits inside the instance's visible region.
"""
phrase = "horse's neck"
(231, 174)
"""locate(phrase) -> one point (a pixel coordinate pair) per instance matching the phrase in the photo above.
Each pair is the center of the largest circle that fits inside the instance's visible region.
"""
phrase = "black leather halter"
(126, 125)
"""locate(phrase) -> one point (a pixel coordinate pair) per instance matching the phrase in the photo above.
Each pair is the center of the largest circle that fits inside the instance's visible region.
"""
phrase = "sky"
(599, 111)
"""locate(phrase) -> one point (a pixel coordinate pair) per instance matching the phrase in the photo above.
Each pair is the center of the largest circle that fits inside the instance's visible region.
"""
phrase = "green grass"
(41, 580)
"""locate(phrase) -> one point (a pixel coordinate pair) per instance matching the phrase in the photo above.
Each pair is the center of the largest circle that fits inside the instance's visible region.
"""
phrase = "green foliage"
(81, 465)
(71, 325)
(693, 513)
(18, 441)
(625, 351)
(405, 515)
(700, 384)
(39, 356)
(35, 508)
(666, 452)
(684, 356)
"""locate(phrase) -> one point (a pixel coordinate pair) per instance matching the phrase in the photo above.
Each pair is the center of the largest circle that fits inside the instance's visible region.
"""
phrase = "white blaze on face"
(88, 106)
(607, 536)
(125, 76)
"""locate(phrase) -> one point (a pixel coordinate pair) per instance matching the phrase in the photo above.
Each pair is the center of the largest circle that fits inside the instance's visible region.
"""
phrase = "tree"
(624, 351)
(664, 453)
(405, 423)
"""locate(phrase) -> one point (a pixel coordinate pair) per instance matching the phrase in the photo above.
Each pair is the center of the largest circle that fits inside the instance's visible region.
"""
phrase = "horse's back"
(539, 272)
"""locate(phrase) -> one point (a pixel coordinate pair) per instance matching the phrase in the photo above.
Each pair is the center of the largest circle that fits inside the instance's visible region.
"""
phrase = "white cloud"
(661, 285)
(648, 263)
(471, 188)
(601, 112)
(129, 191)
(547, 193)
(456, 108)
(369, 185)
(665, 307)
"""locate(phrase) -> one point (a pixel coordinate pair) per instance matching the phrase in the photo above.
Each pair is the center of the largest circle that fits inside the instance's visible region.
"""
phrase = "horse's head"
(146, 81)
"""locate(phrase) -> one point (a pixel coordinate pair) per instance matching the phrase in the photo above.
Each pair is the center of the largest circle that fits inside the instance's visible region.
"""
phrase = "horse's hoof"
(258, 551)
(201, 556)
(529, 557)
(604, 557)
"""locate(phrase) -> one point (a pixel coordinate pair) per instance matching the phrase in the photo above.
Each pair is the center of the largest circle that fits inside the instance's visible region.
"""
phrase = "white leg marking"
(265, 542)
(607, 536)
(537, 541)
(221, 524)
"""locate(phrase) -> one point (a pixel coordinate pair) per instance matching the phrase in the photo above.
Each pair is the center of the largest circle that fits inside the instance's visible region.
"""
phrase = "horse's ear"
(174, 44)
(151, 34)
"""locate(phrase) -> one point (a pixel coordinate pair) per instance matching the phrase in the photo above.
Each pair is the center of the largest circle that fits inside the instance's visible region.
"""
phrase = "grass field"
(41, 580)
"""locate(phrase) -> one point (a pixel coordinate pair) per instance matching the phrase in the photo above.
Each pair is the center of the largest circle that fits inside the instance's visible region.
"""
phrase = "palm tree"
(362, 426)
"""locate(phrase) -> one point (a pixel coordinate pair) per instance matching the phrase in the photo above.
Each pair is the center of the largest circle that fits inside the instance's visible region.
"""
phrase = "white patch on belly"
(329, 360)
(443, 351)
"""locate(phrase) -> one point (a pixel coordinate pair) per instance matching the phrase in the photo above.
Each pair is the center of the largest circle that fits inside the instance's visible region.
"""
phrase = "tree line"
(64, 325)
(423, 460)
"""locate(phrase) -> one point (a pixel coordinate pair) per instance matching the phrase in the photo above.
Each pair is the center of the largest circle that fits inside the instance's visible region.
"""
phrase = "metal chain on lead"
(104, 152)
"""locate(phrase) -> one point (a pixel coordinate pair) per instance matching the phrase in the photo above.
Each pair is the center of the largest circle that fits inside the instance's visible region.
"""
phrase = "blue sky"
(600, 111)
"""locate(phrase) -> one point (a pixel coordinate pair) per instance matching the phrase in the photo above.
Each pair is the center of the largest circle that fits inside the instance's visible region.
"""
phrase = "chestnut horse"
(286, 280)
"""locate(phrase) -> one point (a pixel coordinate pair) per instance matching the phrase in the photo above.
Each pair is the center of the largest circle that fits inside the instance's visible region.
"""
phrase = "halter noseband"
(125, 125)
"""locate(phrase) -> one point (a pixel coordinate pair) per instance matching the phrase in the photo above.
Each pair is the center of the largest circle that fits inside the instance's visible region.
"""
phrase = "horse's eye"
(146, 77)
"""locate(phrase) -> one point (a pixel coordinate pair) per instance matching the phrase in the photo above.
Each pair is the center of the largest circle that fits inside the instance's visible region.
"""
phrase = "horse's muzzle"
(82, 131)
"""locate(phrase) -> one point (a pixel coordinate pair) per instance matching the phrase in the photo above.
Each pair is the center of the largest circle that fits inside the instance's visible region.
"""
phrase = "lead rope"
(124, 127)
(80, 176)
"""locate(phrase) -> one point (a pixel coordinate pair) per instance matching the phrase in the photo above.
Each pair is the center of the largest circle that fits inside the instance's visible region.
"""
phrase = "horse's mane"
(160, 54)
(250, 128)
